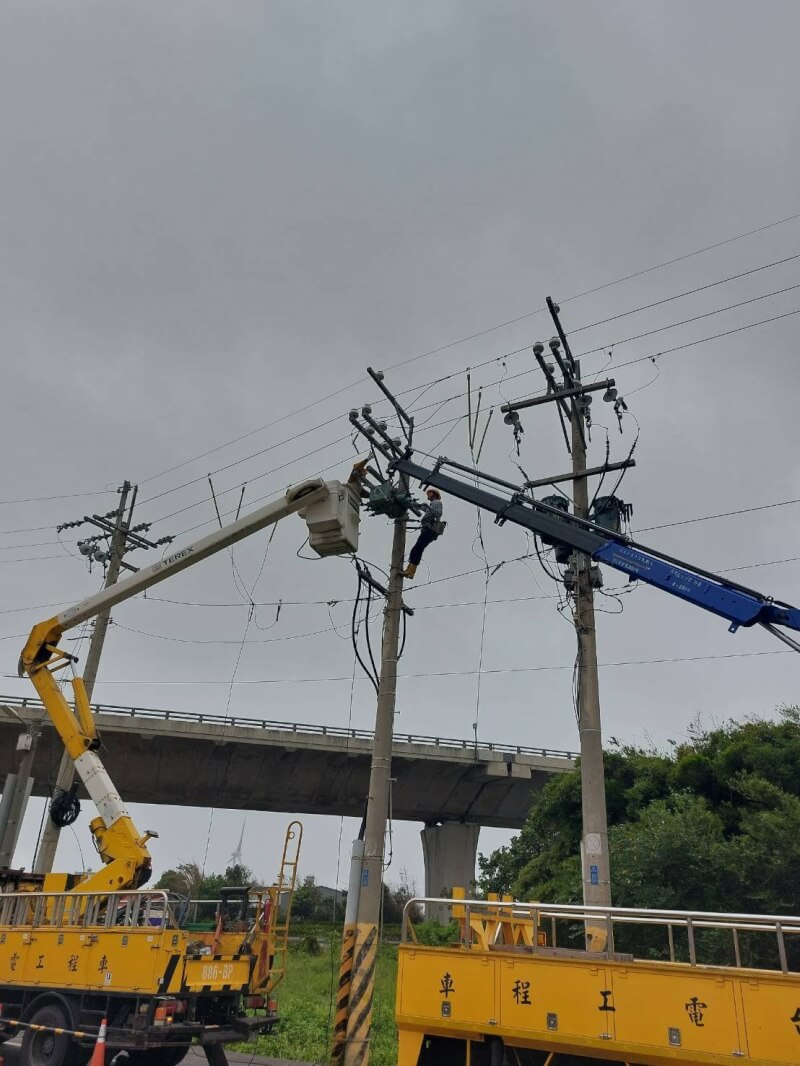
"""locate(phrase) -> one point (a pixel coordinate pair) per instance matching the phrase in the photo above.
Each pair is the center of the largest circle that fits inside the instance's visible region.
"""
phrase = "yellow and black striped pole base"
(343, 993)
(359, 1006)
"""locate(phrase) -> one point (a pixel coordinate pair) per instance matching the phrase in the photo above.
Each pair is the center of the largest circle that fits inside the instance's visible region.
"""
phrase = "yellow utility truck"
(78, 949)
(516, 987)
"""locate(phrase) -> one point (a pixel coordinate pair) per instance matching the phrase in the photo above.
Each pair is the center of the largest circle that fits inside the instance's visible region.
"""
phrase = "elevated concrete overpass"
(201, 760)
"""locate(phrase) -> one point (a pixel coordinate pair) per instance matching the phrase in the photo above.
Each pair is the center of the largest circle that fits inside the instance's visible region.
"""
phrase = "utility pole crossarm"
(592, 471)
(560, 394)
(736, 603)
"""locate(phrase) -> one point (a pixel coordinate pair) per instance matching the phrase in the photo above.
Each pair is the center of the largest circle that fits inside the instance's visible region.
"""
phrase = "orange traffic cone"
(99, 1054)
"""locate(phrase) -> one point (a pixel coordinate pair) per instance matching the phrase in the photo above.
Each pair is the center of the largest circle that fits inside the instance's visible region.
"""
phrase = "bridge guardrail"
(304, 729)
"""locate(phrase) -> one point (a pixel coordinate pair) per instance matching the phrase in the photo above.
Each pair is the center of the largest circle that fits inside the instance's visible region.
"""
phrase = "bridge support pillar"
(450, 850)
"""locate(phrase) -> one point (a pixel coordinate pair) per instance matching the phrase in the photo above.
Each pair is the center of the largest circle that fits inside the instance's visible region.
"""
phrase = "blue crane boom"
(738, 604)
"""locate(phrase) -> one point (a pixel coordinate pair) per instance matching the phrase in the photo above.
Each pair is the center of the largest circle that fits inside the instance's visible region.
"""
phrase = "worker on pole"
(431, 528)
(358, 478)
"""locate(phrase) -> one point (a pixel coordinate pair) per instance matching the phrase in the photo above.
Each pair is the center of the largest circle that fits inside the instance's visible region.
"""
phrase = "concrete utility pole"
(359, 1020)
(46, 852)
(594, 842)
(571, 399)
(16, 793)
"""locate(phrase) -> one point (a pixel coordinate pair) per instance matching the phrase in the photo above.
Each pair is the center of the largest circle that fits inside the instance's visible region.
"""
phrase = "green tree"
(307, 899)
(713, 825)
(395, 898)
(662, 858)
(187, 879)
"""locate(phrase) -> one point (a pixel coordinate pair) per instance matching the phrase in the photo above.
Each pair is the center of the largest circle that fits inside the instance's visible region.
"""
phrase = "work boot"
(410, 570)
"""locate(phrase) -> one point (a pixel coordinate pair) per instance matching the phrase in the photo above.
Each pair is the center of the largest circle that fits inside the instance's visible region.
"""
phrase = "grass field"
(306, 1005)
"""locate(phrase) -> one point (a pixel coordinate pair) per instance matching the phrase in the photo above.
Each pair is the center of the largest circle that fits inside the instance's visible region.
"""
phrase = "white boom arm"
(331, 511)
(303, 496)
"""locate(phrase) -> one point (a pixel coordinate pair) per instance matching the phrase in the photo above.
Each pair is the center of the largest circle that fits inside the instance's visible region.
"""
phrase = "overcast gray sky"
(216, 214)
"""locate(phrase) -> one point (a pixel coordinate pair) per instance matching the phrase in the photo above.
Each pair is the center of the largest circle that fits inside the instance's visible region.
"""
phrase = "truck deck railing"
(760, 941)
(96, 910)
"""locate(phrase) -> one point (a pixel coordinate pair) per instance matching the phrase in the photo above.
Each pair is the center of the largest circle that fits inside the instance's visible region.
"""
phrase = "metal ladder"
(284, 891)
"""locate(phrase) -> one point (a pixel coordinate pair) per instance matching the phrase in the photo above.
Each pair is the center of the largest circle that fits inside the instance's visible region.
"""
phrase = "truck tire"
(47, 1048)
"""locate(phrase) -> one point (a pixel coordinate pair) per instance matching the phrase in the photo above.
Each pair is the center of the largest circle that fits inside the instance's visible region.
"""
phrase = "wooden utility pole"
(359, 1020)
(46, 852)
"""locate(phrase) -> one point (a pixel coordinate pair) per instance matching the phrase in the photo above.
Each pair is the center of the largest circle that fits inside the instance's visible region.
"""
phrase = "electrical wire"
(703, 340)
(686, 292)
(403, 637)
(694, 318)
(367, 633)
(603, 475)
(247, 597)
(617, 590)
(355, 625)
(650, 356)
(44, 499)
(629, 456)
(35, 559)
(548, 668)
(436, 404)
(38, 544)
(199, 641)
(438, 350)
(721, 514)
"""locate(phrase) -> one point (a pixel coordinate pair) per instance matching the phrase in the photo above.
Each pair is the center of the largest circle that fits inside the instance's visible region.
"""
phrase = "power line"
(681, 295)
(258, 477)
(44, 499)
(427, 385)
(34, 607)
(350, 600)
(27, 529)
(440, 403)
(419, 607)
(694, 318)
(245, 459)
(238, 642)
(651, 355)
(703, 340)
(703, 518)
(435, 425)
(631, 362)
(489, 385)
(34, 559)
(688, 255)
(721, 514)
(472, 336)
(550, 668)
(38, 544)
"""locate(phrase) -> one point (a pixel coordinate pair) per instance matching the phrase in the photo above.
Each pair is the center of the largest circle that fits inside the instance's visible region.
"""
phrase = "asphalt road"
(10, 1052)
